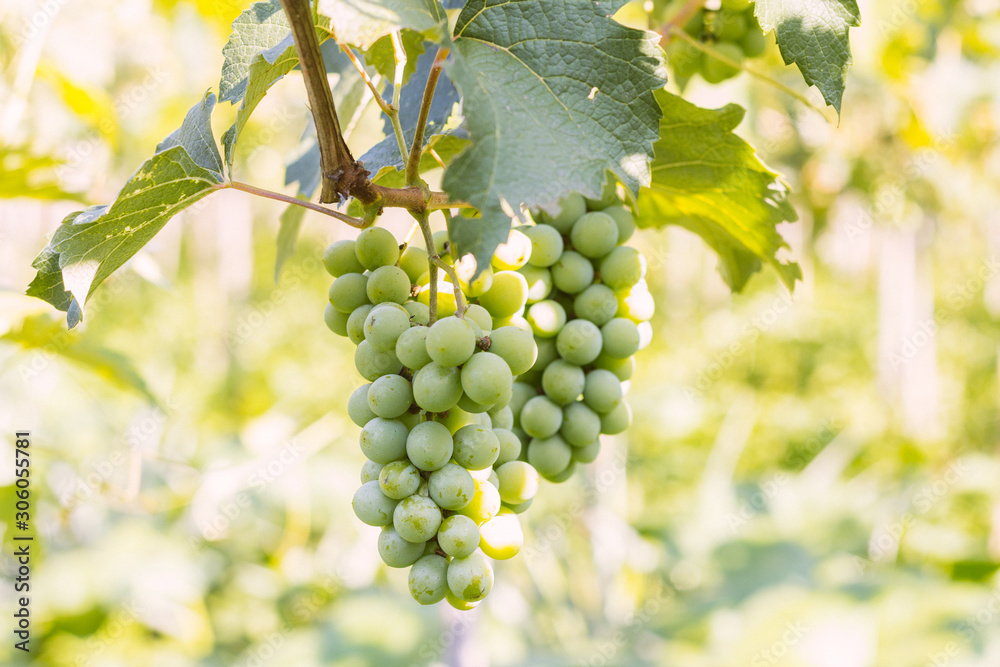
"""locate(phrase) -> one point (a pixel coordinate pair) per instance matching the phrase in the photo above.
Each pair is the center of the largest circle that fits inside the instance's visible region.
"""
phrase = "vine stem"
(399, 54)
(450, 270)
(416, 149)
(379, 100)
(425, 228)
(277, 196)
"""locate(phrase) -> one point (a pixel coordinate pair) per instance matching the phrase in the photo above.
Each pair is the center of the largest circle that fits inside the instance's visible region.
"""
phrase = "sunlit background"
(811, 480)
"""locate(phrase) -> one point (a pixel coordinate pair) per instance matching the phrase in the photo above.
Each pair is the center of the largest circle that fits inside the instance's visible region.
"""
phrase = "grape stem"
(390, 109)
(425, 228)
(399, 53)
(277, 196)
(416, 150)
(450, 270)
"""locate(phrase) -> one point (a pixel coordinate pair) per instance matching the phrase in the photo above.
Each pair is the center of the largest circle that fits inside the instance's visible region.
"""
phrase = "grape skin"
(451, 487)
(397, 552)
(429, 446)
(390, 396)
(563, 382)
(470, 578)
(540, 417)
(384, 440)
(416, 518)
(458, 536)
(372, 506)
(451, 341)
(348, 292)
(594, 235)
(437, 388)
(339, 259)
(428, 579)
(376, 247)
(486, 378)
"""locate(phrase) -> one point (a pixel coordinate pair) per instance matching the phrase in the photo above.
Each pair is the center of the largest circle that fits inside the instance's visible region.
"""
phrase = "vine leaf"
(361, 23)
(554, 95)
(813, 34)
(90, 245)
(710, 181)
(259, 28)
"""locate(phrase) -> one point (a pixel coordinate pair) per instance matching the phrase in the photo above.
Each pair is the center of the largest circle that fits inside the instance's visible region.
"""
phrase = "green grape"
(621, 338)
(384, 324)
(514, 253)
(515, 321)
(470, 578)
(540, 417)
(645, 334)
(384, 440)
(603, 391)
(370, 471)
(609, 195)
(588, 453)
(549, 456)
(466, 268)
(546, 245)
(623, 218)
(335, 320)
(518, 482)
(414, 262)
(357, 406)
(594, 235)
(486, 378)
(686, 60)
(356, 323)
(514, 346)
(546, 318)
(390, 396)
(622, 268)
(388, 283)
(476, 447)
(520, 509)
(469, 405)
(547, 353)
(485, 502)
(567, 472)
(754, 43)
(428, 579)
(510, 446)
(451, 341)
(539, 282)
(521, 394)
(479, 316)
(411, 348)
(459, 604)
(456, 418)
(372, 506)
(399, 479)
(429, 445)
(416, 518)
(397, 552)
(437, 388)
(572, 272)
(580, 426)
(376, 247)
(339, 259)
(636, 304)
(458, 536)
(597, 303)
(618, 419)
(349, 291)
(501, 537)
(730, 26)
(410, 418)
(373, 364)
(716, 71)
(579, 342)
(507, 296)
(571, 208)
(419, 312)
(451, 487)
(562, 381)
(446, 304)
(501, 416)
(442, 244)
(623, 368)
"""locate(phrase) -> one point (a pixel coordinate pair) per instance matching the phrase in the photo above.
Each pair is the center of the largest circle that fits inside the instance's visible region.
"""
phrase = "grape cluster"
(732, 30)
(588, 309)
(444, 476)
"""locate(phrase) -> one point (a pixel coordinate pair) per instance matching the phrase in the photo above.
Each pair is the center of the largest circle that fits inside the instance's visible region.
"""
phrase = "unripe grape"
(540, 417)
(372, 364)
(514, 346)
(470, 578)
(518, 482)
(370, 471)
(456, 418)
(501, 537)
(597, 303)
(335, 320)
(339, 259)
(411, 348)
(546, 245)
(442, 244)
(716, 71)
(397, 552)
(609, 196)
(428, 579)
(620, 338)
(501, 417)
(510, 446)
(414, 262)
(730, 25)
(372, 506)
(618, 419)
(623, 368)
(622, 268)
(416, 518)
(623, 218)
(390, 396)
(485, 502)
(437, 388)
(486, 378)
(539, 282)
(547, 353)
(514, 253)
(603, 391)
(479, 316)
(384, 324)
(349, 291)
(594, 235)
(469, 405)
(562, 381)
(458, 603)
(356, 323)
(549, 456)
(588, 453)
(451, 341)
(357, 406)
(451, 487)
(571, 208)
(507, 296)
(521, 508)
(572, 272)
(515, 321)
(376, 247)
(546, 318)
(579, 342)
(466, 268)
(419, 312)
(384, 440)
(446, 303)
(476, 447)
(636, 304)
(388, 284)
(645, 330)
(429, 445)
(754, 43)
(521, 394)
(399, 479)
(580, 426)
(567, 472)
(458, 536)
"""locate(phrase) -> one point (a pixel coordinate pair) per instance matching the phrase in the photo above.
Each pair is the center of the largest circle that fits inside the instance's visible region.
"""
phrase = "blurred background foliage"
(810, 480)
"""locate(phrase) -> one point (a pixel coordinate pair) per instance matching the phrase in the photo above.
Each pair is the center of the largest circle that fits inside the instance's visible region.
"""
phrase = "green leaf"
(195, 135)
(361, 23)
(554, 95)
(25, 175)
(288, 233)
(813, 35)
(710, 181)
(259, 28)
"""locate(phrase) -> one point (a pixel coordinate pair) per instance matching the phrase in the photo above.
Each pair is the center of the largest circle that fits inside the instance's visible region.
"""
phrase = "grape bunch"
(444, 476)
(588, 308)
(732, 30)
